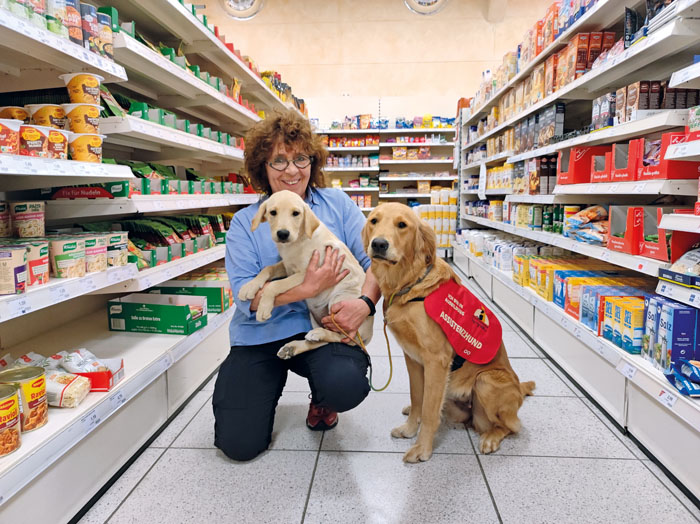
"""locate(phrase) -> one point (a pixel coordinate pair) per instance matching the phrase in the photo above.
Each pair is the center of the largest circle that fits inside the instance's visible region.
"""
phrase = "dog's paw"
(406, 411)
(418, 453)
(316, 335)
(405, 431)
(288, 350)
(490, 443)
(249, 290)
(264, 311)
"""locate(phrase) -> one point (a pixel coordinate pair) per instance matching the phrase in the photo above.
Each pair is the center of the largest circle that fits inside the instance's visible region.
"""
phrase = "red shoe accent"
(320, 418)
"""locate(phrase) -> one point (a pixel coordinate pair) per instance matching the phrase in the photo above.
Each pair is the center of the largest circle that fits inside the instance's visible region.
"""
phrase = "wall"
(342, 55)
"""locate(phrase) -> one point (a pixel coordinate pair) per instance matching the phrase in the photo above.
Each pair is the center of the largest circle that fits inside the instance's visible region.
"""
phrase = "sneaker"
(320, 418)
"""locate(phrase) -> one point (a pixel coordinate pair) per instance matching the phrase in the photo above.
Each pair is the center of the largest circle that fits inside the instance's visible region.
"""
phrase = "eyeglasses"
(300, 161)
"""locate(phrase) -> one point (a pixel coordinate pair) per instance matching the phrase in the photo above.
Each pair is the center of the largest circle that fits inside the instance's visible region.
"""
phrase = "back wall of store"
(341, 56)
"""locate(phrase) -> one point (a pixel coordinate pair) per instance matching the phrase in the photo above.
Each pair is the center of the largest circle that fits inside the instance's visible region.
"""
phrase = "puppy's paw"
(316, 335)
(249, 290)
(406, 411)
(264, 311)
(418, 453)
(490, 443)
(406, 430)
(288, 350)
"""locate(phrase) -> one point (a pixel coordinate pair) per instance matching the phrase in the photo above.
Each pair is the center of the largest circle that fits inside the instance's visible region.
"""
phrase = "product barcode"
(118, 324)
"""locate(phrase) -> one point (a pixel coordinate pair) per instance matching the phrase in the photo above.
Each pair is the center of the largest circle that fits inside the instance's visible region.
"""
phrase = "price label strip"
(627, 369)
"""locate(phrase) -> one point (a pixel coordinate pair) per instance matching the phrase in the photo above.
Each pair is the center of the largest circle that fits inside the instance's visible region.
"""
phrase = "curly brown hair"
(293, 130)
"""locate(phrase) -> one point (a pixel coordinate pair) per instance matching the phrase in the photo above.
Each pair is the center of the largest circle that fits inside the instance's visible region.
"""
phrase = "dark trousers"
(251, 380)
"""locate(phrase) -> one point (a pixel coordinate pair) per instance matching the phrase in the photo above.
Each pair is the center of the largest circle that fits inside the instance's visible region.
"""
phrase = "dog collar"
(406, 289)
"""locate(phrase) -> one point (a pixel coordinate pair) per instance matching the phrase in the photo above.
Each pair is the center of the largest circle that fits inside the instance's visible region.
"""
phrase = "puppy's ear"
(365, 235)
(311, 221)
(259, 216)
(426, 242)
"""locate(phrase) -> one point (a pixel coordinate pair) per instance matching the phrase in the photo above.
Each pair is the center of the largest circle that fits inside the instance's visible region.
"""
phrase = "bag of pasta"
(65, 390)
(82, 361)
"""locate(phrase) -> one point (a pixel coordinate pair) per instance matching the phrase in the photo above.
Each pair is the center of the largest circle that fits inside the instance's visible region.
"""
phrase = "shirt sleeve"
(242, 261)
(354, 220)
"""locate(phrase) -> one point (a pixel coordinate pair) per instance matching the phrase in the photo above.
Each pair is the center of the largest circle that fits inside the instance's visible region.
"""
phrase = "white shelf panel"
(414, 178)
(688, 151)
(24, 172)
(329, 169)
(679, 293)
(404, 195)
(493, 160)
(59, 290)
(502, 191)
(633, 367)
(469, 192)
(686, 78)
(360, 189)
(416, 130)
(444, 252)
(664, 43)
(67, 209)
(637, 263)
(681, 222)
(173, 87)
(155, 275)
(363, 149)
(32, 56)
(366, 208)
(347, 131)
(415, 162)
(165, 144)
(417, 144)
(642, 187)
(531, 199)
(663, 120)
(146, 357)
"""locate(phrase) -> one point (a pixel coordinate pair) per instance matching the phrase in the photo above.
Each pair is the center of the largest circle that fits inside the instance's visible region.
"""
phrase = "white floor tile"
(115, 495)
(558, 490)
(368, 428)
(202, 485)
(624, 438)
(560, 427)
(296, 384)
(518, 347)
(209, 386)
(577, 391)
(399, 375)
(170, 433)
(289, 432)
(377, 346)
(658, 473)
(378, 488)
(548, 384)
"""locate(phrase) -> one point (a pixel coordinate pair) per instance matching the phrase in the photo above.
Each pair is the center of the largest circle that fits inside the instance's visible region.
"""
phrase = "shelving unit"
(365, 149)
(416, 178)
(688, 151)
(361, 189)
(446, 161)
(647, 187)
(681, 222)
(330, 169)
(404, 195)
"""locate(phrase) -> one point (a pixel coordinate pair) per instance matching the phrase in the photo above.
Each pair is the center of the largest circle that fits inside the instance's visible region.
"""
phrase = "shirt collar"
(311, 196)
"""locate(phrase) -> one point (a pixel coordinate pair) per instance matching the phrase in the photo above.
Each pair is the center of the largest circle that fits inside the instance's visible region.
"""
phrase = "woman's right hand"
(319, 278)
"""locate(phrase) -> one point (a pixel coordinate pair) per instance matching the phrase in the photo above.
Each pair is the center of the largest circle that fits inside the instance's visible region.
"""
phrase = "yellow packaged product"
(9, 420)
(632, 325)
(30, 383)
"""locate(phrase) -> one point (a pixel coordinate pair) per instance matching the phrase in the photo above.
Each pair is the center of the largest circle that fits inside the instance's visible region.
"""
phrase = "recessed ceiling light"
(425, 7)
(242, 9)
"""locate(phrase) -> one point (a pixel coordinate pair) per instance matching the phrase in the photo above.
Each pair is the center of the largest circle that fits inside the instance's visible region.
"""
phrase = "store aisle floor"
(569, 464)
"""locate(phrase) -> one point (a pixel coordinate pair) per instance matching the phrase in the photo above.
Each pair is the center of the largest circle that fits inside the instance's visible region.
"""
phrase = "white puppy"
(298, 233)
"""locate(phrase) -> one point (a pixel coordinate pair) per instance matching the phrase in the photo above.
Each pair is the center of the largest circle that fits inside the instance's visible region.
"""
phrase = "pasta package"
(82, 361)
(688, 264)
(5, 221)
(96, 252)
(66, 390)
(67, 255)
(27, 219)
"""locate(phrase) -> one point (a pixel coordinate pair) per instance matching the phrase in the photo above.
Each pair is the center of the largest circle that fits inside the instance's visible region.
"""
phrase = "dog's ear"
(365, 236)
(426, 243)
(311, 221)
(259, 216)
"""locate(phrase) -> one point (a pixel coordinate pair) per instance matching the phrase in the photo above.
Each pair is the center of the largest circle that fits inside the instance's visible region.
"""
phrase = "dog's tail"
(526, 388)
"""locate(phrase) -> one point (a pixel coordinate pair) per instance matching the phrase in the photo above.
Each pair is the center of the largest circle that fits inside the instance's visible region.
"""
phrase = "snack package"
(682, 384)
(690, 369)
(83, 361)
(6, 362)
(30, 359)
(65, 390)
(688, 264)
(590, 214)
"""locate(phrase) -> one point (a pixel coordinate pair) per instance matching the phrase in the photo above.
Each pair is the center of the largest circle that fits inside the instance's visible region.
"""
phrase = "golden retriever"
(298, 233)
(402, 247)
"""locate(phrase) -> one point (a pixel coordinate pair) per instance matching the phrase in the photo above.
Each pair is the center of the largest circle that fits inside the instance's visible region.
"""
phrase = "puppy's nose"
(380, 245)
(282, 234)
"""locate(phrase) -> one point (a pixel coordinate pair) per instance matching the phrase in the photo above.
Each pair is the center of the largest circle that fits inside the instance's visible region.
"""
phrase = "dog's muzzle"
(282, 235)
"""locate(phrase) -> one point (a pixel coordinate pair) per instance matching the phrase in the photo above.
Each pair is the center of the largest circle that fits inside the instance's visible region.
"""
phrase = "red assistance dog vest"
(471, 328)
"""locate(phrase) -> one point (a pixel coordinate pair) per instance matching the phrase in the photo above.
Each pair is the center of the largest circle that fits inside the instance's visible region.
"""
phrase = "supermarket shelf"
(664, 120)
(360, 189)
(531, 199)
(404, 195)
(648, 187)
(416, 130)
(172, 87)
(47, 55)
(155, 275)
(469, 192)
(374, 169)
(415, 162)
(637, 263)
(156, 143)
(604, 14)
(633, 367)
(23, 172)
(146, 357)
(501, 191)
(59, 290)
(347, 131)
(414, 178)
(493, 160)
(688, 151)
(170, 22)
(81, 208)
(366, 208)
(681, 222)
(656, 55)
(444, 252)
(364, 149)
(679, 293)
(686, 78)
(417, 144)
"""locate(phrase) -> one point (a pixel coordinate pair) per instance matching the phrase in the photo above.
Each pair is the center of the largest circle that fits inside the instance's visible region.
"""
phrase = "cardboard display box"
(150, 313)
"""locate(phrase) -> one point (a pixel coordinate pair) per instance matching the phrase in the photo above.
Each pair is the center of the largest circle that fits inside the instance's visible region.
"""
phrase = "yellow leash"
(361, 343)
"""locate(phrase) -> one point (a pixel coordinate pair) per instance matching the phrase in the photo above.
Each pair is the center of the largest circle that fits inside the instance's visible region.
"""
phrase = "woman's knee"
(235, 440)
(343, 387)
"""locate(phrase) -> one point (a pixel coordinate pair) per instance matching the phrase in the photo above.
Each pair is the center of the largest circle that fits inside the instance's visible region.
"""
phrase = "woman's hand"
(349, 315)
(319, 278)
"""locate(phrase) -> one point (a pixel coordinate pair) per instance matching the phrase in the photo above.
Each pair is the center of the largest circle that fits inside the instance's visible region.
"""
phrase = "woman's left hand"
(349, 315)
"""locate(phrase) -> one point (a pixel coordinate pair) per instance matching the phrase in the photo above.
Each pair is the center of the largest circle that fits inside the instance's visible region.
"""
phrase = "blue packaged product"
(689, 369)
(559, 284)
(676, 335)
(682, 384)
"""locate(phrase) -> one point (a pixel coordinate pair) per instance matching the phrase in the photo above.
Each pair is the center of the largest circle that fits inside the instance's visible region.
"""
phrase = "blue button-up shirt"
(248, 252)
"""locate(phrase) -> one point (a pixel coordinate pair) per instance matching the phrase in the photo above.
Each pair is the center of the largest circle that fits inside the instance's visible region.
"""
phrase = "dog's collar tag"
(471, 328)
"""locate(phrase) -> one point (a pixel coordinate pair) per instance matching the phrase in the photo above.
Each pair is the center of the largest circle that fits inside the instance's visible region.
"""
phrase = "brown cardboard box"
(632, 100)
(595, 47)
(644, 87)
(608, 40)
(562, 65)
(550, 74)
(669, 98)
(620, 105)
(655, 95)
(580, 44)
(681, 98)
(538, 89)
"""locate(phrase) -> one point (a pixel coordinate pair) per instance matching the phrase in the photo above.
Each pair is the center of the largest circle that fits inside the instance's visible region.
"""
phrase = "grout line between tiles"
(313, 476)
(483, 475)
(644, 462)
(206, 402)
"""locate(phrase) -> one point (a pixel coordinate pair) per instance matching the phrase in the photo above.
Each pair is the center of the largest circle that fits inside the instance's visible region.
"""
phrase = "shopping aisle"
(569, 464)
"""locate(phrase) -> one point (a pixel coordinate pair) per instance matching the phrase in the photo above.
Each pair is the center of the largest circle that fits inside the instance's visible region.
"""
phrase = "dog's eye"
(402, 225)
(295, 213)
(373, 221)
(273, 213)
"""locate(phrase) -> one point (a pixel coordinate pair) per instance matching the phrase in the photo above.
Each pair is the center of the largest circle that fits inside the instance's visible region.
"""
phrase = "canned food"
(30, 382)
(9, 420)
(105, 37)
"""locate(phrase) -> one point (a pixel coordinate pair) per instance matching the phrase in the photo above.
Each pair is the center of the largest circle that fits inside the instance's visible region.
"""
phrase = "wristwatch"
(370, 304)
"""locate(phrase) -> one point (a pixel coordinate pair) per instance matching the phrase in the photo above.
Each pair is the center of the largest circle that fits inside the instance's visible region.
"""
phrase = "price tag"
(591, 188)
(159, 204)
(638, 188)
(565, 322)
(614, 188)
(147, 283)
(114, 276)
(627, 369)
(88, 284)
(90, 421)
(662, 289)
(117, 399)
(681, 150)
(166, 362)
(59, 294)
(577, 332)
(605, 255)
(600, 348)
(667, 398)
(19, 306)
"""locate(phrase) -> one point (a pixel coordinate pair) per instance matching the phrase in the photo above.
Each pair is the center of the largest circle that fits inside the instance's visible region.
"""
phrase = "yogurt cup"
(50, 115)
(86, 147)
(83, 118)
(9, 136)
(34, 140)
(58, 143)
(14, 113)
(83, 88)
